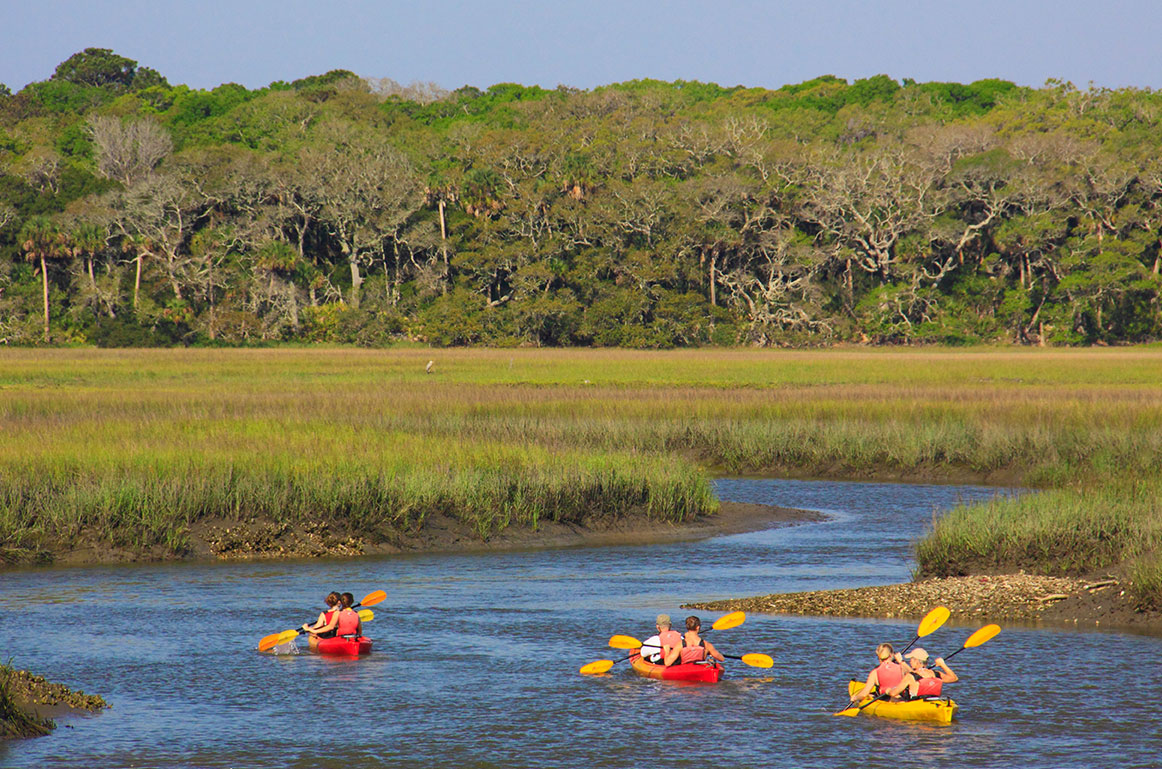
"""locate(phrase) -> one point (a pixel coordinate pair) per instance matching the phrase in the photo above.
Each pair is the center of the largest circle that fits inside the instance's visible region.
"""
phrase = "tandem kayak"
(706, 672)
(936, 710)
(348, 647)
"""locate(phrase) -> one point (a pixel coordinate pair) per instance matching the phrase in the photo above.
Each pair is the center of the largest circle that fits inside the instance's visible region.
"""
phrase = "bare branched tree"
(424, 92)
(128, 151)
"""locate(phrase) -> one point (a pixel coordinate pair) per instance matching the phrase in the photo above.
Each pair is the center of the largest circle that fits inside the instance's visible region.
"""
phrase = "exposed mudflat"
(1098, 600)
(246, 539)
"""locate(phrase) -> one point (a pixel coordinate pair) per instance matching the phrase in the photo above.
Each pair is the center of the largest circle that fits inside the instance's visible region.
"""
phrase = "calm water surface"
(477, 655)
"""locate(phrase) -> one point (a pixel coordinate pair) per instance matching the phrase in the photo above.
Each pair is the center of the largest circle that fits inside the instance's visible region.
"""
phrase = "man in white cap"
(922, 681)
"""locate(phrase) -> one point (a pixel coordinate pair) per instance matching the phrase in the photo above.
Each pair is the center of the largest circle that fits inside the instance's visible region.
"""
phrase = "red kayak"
(348, 647)
(706, 672)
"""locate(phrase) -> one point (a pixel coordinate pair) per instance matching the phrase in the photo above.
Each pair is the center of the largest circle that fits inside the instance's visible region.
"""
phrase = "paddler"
(923, 681)
(327, 622)
(348, 623)
(695, 648)
(888, 675)
(669, 639)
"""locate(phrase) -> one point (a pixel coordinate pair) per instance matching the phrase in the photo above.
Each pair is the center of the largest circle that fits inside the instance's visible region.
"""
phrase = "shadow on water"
(477, 655)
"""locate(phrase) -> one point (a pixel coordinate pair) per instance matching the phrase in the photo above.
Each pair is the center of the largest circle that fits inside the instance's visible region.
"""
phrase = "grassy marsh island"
(28, 703)
(134, 450)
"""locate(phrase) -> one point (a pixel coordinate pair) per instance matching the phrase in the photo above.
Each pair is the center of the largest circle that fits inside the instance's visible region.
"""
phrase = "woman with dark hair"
(349, 623)
(327, 623)
(694, 647)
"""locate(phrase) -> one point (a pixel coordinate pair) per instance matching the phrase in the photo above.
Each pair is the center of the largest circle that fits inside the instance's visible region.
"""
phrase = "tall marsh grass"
(1060, 531)
(133, 446)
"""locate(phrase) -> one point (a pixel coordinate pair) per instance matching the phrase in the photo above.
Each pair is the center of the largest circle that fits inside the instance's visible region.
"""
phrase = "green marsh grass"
(134, 446)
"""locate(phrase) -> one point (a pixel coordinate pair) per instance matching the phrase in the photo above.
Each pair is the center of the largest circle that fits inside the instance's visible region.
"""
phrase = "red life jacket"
(348, 623)
(929, 687)
(693, 653)
(327, 616)
(889, 674)
(670, 638)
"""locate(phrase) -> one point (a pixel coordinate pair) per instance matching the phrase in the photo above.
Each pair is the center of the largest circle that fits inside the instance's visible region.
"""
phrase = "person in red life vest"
(349, 623)
(923, 681)
(325, 625)
(887, 675)
(669, 639)
(695, 648)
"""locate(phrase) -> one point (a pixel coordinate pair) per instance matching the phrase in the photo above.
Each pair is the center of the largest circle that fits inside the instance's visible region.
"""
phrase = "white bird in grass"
(428, 368)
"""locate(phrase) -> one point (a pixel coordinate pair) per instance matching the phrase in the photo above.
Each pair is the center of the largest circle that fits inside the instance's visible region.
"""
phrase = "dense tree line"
(644, 214)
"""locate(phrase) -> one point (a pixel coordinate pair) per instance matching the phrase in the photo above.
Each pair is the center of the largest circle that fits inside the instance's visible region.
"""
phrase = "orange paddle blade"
(734, 619)
(986, 633)
(269, 642)
(933, 620)
(373, 598)
(596, 668)
(624, 642)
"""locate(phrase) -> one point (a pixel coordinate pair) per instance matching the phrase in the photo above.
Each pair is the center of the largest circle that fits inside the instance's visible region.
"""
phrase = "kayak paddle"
(600, 666)
(624, 642)
(984, 635)
(931, 622)
(754, 660)
(727, 621)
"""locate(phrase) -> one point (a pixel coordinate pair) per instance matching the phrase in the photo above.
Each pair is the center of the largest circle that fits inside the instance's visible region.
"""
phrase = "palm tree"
(86, 240)
(141, 247)
(41, 239)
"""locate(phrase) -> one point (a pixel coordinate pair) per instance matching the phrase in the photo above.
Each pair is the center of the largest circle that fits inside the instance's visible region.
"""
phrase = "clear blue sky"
(585, 43)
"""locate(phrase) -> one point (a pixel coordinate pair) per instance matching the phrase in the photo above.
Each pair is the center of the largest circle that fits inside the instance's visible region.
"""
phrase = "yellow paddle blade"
(366, 615)
(933, 620)
(596, 668)
(373, 598)
(624, 642)
(757, 660)
(852, 711)
(986, 633)
(734, 619)
(288, 635)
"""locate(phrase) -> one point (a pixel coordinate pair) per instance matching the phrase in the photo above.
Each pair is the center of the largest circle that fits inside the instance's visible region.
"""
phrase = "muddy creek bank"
(250, 538)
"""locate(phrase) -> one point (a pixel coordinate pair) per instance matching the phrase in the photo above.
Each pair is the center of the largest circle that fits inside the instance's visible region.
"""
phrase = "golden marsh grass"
(135, 445)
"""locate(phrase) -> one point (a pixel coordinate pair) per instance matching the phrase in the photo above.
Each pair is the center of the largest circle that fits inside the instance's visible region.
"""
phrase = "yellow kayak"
(934, 710)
